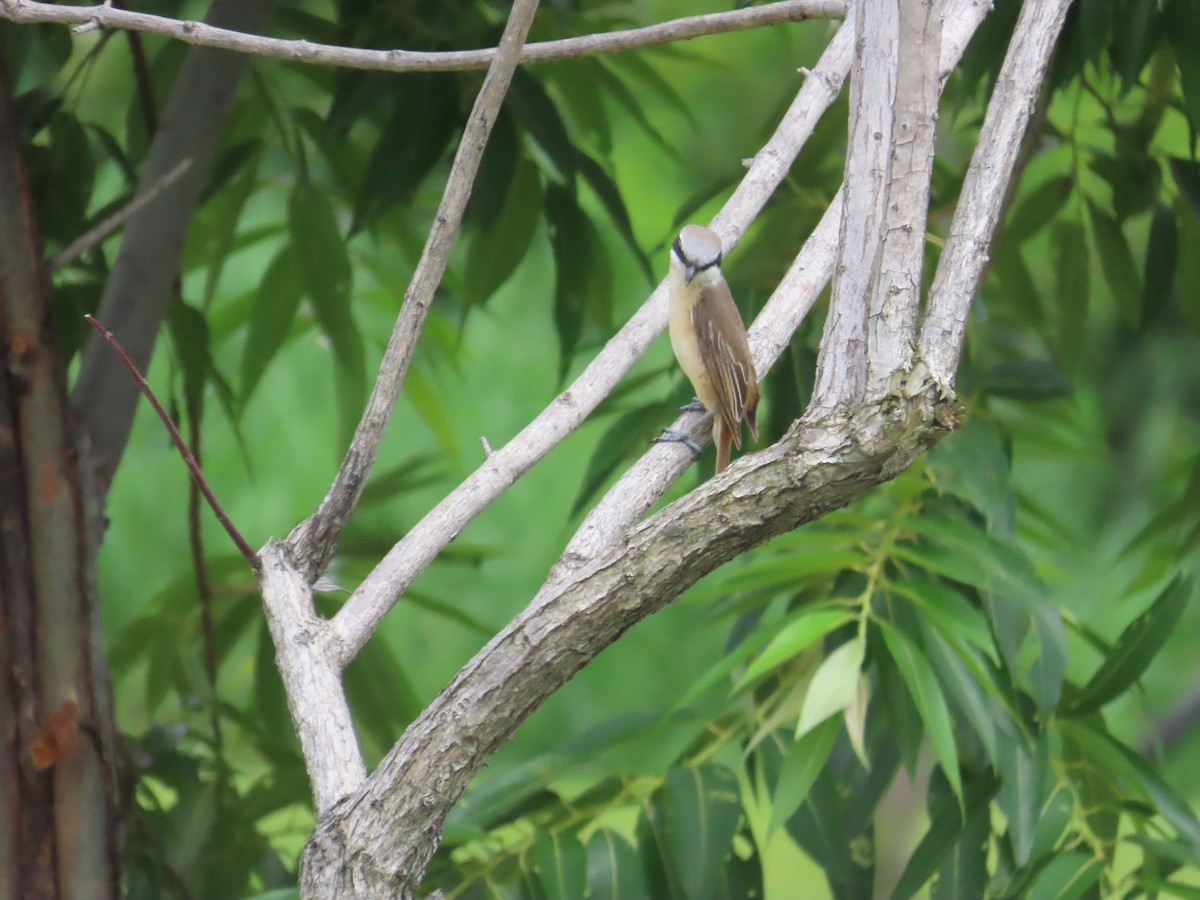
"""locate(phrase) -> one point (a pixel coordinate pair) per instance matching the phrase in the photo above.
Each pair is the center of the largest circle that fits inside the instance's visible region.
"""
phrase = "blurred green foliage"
(1011, 614)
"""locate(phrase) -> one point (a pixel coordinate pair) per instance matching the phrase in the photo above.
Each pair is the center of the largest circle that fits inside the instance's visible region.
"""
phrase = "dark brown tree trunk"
(59, 816)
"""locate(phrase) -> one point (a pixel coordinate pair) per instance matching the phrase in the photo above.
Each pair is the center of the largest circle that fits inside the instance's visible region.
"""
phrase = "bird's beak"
(689, 272)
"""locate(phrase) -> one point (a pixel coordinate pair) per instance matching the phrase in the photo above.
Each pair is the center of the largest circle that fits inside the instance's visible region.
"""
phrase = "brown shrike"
(709, 339)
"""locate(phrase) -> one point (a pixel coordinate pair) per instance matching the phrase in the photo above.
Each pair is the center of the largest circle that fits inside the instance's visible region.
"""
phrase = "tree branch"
(842, 363)
(201, 34)
(312, 542)
(380, 590)
(895, 301)
(821, 465)
(983, 191)
(143, 276)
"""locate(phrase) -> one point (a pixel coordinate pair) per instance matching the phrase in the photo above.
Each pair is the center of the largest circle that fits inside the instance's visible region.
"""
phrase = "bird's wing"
(726, 355)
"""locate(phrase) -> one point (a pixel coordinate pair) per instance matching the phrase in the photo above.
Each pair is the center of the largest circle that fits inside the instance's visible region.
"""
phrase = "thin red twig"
(180, 445)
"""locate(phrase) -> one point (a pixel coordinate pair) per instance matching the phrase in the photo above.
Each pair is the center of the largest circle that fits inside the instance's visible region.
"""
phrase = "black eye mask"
(678, 248)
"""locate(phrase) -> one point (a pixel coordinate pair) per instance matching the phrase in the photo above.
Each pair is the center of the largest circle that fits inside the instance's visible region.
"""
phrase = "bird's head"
(697, 252)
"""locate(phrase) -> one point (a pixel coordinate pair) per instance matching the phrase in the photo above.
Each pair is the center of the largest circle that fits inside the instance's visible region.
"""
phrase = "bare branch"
(358, 618)
(413, 61)
(821, 465)
(313, 541)
(842, 364)
(979, 205)
(892, 317)
(180, 445)
(94, 236)
(311, 680)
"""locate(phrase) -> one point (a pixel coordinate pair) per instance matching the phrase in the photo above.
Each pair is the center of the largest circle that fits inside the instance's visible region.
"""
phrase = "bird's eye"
(678, 248)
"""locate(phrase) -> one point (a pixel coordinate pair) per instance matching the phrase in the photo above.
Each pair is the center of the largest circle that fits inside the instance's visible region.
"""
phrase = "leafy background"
(1008, 621)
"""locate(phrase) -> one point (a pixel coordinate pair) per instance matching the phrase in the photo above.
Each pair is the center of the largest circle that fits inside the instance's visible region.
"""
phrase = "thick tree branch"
(207, 35)
(892, 317)
(982, 198)
(379, 591)
(314, 540)
(147, 264)
(822, 464)
(842, 364)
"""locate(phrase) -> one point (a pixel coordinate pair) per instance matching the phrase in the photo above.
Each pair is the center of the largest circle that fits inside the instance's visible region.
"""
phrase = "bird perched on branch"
(709, 340)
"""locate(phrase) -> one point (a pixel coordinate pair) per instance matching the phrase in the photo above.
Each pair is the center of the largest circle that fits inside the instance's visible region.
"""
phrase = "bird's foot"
(671, 436)
(694, 406)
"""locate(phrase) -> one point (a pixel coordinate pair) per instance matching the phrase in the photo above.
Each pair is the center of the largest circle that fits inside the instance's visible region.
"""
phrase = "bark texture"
(60, 832)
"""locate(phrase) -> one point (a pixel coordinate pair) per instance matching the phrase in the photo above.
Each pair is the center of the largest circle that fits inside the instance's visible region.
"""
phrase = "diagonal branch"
(313, 541)
(205, 35)
(983, 191)
(357, 619)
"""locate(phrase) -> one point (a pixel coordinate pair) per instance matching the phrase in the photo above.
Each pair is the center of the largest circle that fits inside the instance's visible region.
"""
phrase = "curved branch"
(206, 35)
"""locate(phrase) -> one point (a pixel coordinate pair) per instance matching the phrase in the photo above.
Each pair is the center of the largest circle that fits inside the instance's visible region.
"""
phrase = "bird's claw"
(694, 406)
(671, 436)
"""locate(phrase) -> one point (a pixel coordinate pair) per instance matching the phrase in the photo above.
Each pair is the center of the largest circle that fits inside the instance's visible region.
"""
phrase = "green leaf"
(495, 251)
(1135, 40)
(1008, 264)
(793, 639)
(1037, 208)
(271, 318)
(1135, 179)
(572, 240)
(948, 611)
(1116, 259)
(614, 870)
(324, 264)
(1067, 877)
(429, 406)
(697, 813)
(951, 826)
(923, 687)
(497, 172)
(1182, 21)
(561, 865)
(1135, 775)
(1023, 764)
(539, 117)
(423, 119)
(1070, 257)
(803, 763)
(610, 196)
(1025, 379)
(1135, 649)
(628, 436)
(1161, 257)
(833, 685)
